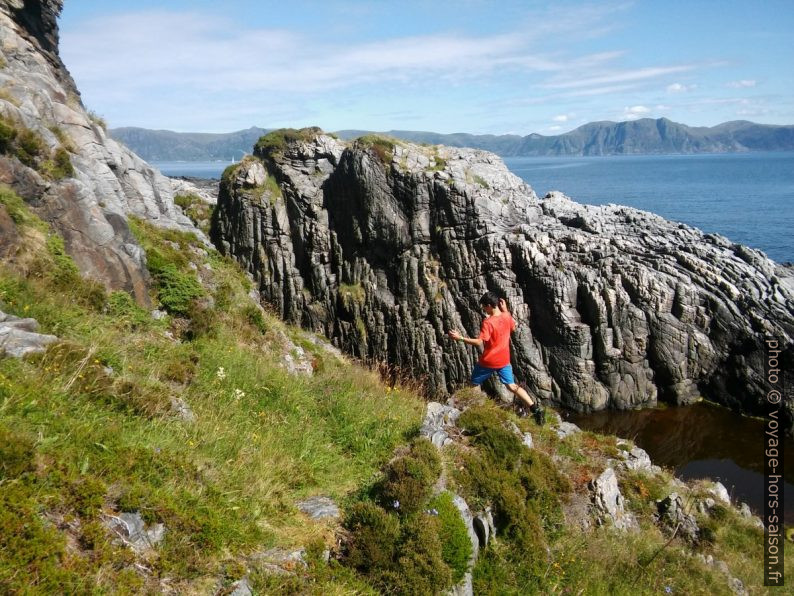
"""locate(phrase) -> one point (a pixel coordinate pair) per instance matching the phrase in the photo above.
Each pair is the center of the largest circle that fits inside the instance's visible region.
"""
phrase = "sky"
(445, 66)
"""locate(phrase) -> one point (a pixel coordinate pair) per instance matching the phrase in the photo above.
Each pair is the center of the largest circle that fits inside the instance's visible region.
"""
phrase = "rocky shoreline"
(383, 246)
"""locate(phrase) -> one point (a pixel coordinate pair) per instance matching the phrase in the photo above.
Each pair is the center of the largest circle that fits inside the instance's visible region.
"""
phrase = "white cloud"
(680, 88)
(193, 51)
(554, 128)
(607, 90)
(742, 84)
(635, 112)
(561, 118)
(619, 76)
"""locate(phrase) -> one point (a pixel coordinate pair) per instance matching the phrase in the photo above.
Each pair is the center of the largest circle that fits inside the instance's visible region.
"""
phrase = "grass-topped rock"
(167, 258)
(380, 146)
(274, 143)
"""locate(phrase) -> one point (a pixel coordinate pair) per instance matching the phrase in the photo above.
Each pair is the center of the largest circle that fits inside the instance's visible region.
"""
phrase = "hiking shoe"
(539, 414)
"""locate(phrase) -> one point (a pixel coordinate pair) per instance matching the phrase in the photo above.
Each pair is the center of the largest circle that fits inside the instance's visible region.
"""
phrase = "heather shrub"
(410, 478)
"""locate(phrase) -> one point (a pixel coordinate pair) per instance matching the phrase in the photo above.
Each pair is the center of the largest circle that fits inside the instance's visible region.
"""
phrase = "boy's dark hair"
(489, 299)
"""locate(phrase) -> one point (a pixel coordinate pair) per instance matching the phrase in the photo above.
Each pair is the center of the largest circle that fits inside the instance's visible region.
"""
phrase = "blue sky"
(444, 66)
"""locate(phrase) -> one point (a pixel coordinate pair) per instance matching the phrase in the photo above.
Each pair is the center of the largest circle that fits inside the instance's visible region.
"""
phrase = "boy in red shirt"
(495, 336)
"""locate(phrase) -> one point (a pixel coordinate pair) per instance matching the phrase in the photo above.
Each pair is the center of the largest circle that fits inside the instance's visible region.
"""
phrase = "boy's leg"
(506, 376)
(480, 374)
(521, 393)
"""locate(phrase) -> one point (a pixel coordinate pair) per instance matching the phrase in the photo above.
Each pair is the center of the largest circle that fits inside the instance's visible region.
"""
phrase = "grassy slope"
(86, 430)
(89, 440)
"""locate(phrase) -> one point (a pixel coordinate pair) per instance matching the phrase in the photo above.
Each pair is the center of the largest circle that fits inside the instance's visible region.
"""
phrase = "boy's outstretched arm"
(472, 341)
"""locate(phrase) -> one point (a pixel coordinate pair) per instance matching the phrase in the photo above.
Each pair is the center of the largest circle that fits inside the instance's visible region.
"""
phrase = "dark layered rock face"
(384, 248)
(88, 205)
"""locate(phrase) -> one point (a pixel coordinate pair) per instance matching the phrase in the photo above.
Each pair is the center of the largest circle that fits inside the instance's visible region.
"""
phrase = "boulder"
(672, 515)
(131, 530)
(609, 503)
(18, 336)
(241, 588)
(181, 409)
(566, 429)
(279, 561)
(438, 423)
(720, 493)
(319, 508)
(636, 459)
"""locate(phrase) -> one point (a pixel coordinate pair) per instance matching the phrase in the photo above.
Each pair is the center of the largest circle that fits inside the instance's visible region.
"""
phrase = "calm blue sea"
(194, 169)
(748, 197)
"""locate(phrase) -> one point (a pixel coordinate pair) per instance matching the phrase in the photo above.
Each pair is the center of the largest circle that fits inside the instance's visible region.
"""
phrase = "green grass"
(228, 172)
(481, 181)
(59, 167)
(86, 429)
(354, 293)
(167, 257)
(18, 210)
(273, 189)
(455, 544)
(30, 148)
(382, 147)
(199, 212)
(274, 142)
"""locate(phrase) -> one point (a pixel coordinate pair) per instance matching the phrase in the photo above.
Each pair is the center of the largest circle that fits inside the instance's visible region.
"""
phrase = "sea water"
(747, 197)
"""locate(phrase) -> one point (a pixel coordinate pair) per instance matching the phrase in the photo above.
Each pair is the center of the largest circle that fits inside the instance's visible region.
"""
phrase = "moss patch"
(352, 293)
(30, 148)
(167, 259)
(455, 544)
(410, 478)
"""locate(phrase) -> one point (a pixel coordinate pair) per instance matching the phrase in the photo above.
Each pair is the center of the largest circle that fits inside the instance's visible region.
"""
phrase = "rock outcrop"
(18, 337)
(98, 182)
(385, 246)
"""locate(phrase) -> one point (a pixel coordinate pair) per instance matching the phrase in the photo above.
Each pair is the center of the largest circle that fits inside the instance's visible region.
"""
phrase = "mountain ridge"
(605, 137)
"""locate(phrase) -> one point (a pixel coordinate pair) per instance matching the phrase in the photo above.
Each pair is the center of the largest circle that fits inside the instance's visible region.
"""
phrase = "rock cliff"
(58, 157)
(384, 246)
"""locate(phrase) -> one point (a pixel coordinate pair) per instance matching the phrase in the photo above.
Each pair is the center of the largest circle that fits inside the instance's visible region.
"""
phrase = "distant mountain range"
(645, 136)
(166, 145)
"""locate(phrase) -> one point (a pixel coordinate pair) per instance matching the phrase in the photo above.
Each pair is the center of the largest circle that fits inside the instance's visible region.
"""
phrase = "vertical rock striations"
(383, 246)
(60, 159)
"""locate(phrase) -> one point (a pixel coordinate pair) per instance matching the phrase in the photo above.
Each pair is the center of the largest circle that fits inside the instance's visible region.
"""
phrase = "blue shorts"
(481, 373)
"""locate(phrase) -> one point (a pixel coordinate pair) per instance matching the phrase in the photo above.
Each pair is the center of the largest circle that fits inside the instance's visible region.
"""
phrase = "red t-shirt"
(495, 333)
